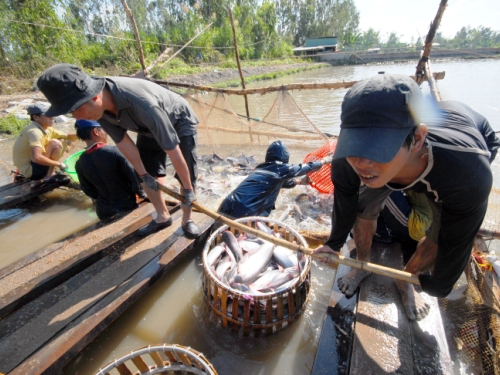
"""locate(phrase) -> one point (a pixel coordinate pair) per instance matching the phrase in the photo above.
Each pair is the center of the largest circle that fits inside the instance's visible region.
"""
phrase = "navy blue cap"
(377, 116)
(82, 124)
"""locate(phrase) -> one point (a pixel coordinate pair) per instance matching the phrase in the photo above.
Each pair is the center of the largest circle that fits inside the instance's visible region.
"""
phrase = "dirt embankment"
(217, 75)
(209, 78)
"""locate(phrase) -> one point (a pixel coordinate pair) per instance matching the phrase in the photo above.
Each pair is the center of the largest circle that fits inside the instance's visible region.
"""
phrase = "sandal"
(191, 230)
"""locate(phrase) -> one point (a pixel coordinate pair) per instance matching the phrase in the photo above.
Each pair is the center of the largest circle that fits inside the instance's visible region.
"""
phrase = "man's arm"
(128, 148)
(180, 166)
(128, 171)
(346, 184)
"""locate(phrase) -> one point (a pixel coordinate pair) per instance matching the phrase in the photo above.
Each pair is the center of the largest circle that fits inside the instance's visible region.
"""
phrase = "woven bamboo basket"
(253, 314)
(160, 359)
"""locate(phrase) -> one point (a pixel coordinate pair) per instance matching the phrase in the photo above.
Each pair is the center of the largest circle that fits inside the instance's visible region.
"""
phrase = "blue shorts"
(38, 171)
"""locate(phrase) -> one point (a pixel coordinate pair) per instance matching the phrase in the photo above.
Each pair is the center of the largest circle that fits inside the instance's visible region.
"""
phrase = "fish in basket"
(253, 285)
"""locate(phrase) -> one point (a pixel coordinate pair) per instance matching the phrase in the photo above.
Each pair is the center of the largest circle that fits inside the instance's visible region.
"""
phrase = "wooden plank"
(16, 193)
(431, 354)
(382, 340)
(17, 288)
(114, 296)
(385, 341)
(334, 348)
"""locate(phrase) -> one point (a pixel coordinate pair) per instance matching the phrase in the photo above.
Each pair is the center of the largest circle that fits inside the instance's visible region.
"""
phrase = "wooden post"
(236, 53)
(136, 34)
(420, 72)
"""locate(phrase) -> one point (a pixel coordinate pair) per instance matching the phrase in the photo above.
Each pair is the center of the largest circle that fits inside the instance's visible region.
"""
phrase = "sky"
(410, 18)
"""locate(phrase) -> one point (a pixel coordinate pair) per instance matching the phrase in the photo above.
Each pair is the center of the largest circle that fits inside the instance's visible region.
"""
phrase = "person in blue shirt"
(256, 195)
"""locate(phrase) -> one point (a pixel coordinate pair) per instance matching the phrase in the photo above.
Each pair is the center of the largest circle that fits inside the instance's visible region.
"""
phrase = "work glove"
(149, 182)
(327, 159)
(63, 167)
(189, 198)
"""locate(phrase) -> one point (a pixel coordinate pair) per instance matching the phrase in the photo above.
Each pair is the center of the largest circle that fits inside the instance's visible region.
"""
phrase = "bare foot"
(351, 280)
(415, 306)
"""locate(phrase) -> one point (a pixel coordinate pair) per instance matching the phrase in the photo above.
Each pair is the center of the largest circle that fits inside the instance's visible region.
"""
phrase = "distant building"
(313, 46)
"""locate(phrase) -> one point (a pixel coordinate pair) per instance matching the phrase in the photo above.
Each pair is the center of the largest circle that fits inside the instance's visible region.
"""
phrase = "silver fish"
(232, 243)
(282, 256)
(214, 254)
(299, 216)
(224, 264)
(263, 228)
(253, 266)
(274, 279)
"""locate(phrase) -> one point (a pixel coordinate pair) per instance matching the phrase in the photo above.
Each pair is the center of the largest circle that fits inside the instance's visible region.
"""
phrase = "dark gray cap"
(37, 108)
(67, 87)
(377, 116)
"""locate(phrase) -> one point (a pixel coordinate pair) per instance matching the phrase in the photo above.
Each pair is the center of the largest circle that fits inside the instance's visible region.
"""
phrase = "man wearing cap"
(385, 145)
(39, 147)
(164, 121)
(105, 175)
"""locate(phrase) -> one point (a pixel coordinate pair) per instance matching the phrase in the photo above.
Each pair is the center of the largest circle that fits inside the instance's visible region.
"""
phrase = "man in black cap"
(104, 173)
(385, 145)
(39, 147)
(164, 121)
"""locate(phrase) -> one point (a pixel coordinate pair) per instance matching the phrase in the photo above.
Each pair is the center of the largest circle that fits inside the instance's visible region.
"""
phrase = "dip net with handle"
(160, 359)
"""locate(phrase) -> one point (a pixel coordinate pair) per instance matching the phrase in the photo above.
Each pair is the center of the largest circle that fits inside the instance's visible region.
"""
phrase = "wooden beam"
(263, 90)
(111, 285)
(32, 280)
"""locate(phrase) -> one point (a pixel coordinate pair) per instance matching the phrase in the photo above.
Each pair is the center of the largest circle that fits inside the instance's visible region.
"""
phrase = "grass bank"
(270, 75)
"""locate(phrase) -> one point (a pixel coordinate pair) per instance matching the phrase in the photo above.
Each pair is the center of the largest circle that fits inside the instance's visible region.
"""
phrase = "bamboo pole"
(263, 90)
(420, 70)
(340, 259)
(185, 45)
(136, 34)
(237, 55)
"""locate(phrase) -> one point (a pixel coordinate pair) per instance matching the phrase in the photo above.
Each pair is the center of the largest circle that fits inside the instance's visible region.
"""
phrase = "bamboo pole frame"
(420, 69)
(264, 90)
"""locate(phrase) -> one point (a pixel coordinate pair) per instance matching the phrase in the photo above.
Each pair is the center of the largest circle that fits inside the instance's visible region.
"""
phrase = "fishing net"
(473, 308)
(222, 130)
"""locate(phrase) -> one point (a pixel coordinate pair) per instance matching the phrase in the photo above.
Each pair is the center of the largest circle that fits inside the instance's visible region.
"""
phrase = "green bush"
(11, 125)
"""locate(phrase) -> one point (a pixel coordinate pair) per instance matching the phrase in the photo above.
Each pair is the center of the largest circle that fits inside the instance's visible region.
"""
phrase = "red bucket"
(321, 180)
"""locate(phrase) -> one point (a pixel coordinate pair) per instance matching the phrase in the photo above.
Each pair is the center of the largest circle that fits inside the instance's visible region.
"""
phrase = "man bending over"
(385, 145)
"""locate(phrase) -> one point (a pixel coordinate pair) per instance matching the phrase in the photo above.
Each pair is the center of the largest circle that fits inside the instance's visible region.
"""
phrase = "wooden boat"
(56, 301)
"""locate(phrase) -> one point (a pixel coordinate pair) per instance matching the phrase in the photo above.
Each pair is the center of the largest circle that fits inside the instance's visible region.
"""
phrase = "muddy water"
(174, 311)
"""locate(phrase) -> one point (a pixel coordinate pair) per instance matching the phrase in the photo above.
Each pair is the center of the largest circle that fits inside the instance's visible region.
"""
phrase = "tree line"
(97, 35)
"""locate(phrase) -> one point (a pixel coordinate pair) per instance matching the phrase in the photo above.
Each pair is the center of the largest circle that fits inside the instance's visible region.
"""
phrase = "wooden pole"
(264, 90)
(420, 70)
(340, 259)
(236, 53)
(136, 34)
(185, 45)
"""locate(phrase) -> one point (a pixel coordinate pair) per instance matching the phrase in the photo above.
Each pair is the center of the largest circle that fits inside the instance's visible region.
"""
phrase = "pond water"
(174, 309)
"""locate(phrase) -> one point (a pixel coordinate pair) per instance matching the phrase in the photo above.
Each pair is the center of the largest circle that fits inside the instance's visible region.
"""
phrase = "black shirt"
(458, 179)
(108, 178)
